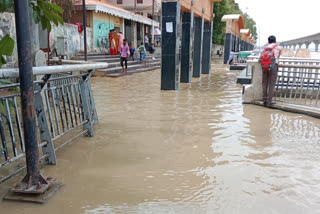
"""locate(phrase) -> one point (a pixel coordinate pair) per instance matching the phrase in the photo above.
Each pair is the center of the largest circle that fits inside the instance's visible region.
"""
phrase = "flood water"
(196, 150)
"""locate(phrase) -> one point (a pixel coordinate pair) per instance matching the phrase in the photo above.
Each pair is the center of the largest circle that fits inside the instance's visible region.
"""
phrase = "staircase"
(114, 69)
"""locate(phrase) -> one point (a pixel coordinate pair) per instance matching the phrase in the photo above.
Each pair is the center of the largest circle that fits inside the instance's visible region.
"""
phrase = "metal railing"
(298, 82)
(64, 102)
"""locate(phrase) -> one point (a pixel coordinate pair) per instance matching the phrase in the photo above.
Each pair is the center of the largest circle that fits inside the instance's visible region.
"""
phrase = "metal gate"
(64, 102)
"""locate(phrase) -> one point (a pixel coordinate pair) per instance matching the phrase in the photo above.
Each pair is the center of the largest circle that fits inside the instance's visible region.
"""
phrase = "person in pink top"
(269, 78)
(120, 36)
(124, 55)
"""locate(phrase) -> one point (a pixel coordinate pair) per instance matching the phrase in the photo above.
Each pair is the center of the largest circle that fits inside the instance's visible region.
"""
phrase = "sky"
(286, 19)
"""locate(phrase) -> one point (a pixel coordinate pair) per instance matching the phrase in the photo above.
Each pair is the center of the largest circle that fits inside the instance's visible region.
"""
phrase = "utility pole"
(152, 22)
(85, 29)
(135, 6)
(33, 182)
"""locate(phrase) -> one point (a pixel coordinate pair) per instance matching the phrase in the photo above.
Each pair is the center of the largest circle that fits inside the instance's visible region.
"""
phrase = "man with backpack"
(269, 60)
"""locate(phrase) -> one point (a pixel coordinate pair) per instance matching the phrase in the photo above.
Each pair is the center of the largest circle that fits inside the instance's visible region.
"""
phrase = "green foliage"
(7, 82)
(43, 12)
(6, 48)
(3, 110)
(249, 23)
(5, 5)
(229, 7)
(67, 6)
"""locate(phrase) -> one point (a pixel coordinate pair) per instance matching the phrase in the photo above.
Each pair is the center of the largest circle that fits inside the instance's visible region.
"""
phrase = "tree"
(43, 12)
(229, 7)
(67, 6)
(249, 23)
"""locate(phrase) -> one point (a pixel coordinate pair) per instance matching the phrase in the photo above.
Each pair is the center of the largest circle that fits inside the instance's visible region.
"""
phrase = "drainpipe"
(85, 29)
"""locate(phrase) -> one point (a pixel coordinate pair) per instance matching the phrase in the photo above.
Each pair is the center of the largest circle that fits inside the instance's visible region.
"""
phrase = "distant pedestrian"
(151, 49)
(269, 60)
(120, 39)
(231, 57)
(124, 54)
(220, 52)
(132, 50)
(146, 41)
(142, 50)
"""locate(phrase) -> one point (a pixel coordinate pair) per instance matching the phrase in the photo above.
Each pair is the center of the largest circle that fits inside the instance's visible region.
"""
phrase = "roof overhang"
(234, 17)
(245, 31)
(119, 13)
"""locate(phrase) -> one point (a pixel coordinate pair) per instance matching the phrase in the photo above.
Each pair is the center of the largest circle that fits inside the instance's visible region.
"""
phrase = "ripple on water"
(196, 150)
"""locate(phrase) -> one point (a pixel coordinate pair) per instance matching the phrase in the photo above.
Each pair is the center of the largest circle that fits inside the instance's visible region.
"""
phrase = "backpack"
(268, 61)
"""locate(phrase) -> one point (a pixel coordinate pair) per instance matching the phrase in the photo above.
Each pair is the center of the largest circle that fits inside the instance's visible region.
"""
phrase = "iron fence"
(298, 82)
(64, 102)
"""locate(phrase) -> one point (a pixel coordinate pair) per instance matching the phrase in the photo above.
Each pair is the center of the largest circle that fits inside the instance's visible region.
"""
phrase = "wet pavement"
(196, 150)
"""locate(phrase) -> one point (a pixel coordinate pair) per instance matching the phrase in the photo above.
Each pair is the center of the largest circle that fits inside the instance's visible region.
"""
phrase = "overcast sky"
(286, 19)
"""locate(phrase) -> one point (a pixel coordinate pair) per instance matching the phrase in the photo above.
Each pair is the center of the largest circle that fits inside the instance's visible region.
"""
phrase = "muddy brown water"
(196, 150)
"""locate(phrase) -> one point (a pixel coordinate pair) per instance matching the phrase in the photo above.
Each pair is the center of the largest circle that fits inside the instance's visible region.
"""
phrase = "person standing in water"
(124, 54)
(269, 60)
(142, 50)
(220, 52)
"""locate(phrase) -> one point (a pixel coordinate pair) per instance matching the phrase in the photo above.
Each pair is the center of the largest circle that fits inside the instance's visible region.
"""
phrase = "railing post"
(45, 135)
(93, 106)
(86, 109)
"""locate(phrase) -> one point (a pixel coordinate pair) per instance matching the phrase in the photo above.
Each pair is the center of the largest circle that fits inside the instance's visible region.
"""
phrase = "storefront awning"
(101, 7)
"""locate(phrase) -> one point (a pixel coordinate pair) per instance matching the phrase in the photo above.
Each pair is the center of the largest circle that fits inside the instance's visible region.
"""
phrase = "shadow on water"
(196, 150)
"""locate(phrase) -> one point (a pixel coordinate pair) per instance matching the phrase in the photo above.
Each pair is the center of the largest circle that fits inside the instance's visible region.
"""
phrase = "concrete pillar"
(122, 27)
(227, 46)
(300, 45)
(316, 46)
(186, 47)
(170, 45)
(233, 42)
(237, 44)
(294, 47)
(134, 34)
(308, 44)
(197, 52)
(207, 46)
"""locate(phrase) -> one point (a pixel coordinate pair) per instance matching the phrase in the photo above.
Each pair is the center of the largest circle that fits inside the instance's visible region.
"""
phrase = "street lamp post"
(85, 29)
(152, 22)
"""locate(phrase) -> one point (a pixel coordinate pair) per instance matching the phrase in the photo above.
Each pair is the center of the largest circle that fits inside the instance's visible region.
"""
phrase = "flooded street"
(196, 150)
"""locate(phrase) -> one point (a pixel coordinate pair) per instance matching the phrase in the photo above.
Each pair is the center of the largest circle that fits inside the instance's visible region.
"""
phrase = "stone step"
(115, 60)
(93, 54)
(116, 75)
(131, 68)
(108, 57)
(130, 62)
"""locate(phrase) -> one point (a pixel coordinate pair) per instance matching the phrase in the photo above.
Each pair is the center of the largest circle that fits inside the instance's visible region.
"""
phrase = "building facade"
(142, 7)
(103, 17)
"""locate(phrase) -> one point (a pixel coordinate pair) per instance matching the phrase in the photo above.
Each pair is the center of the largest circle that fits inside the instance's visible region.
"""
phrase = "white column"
(152, 33)
(122, 28)
(135, 42)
